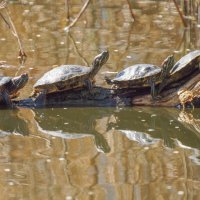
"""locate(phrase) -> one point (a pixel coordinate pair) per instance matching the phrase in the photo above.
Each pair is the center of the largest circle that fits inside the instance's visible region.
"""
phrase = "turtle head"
(99, 61)
(167, 65)
(20, 81)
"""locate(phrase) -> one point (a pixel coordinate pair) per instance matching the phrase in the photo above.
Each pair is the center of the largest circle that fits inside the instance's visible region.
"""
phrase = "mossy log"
(185, 92)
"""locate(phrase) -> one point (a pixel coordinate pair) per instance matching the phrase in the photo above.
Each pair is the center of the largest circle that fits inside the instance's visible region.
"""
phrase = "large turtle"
(142, 75)
(67, 77)
(10, 86)
(184, 67)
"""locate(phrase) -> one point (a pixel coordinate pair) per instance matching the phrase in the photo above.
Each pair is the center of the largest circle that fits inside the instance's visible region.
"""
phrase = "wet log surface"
(185, 92)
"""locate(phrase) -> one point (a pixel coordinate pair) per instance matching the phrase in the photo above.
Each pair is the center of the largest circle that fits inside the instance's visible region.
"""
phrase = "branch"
(76, 49)
(14, 31)
(3, 4)
(11, 26)
(78, 16)
(131, 11)
(180, 14)
(67, 9)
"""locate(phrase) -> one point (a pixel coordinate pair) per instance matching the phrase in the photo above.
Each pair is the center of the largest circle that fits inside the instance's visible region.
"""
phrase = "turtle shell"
(186, 65)
(137, 75)
(63, 78)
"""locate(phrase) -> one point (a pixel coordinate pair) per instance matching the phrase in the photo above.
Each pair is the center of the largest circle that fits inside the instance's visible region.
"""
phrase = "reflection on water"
(93, 151)
(97, 153)
(12, 123)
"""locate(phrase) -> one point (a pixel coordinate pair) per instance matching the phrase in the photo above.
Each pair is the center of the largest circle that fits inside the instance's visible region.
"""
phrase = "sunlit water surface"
(97, 153)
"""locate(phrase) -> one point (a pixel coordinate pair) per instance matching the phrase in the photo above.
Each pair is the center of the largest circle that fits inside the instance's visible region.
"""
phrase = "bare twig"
(180, 14)
(67, 9)
(11, 26)
(3, 4)
(14, 31)
(4, 19)
(130, 8)
(76, 49)
(78, 16)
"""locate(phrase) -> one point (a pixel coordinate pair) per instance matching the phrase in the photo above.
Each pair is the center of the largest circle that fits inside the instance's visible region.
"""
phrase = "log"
(186, 92)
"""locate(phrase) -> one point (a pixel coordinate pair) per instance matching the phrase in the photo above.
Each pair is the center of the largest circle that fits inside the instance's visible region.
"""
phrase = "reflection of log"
(124, 97)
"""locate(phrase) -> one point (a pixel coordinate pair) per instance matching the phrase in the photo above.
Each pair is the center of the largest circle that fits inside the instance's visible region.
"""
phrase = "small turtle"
(184, 67)
(142, 75)
(66, 77)
(10, 86)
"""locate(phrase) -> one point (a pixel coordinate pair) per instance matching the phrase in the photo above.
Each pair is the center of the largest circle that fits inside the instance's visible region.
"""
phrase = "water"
(97, 153)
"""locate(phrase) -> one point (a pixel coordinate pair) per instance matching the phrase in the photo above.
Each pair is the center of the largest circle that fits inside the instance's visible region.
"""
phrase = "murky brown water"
(97, 153)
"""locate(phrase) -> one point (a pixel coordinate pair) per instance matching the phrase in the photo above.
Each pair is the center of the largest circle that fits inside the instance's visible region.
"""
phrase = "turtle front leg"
(88, 84)
(13, 96)
(33, 94)
(167, 65)
(40, 100)
(89, 91)
(151, 82)
(5, 99)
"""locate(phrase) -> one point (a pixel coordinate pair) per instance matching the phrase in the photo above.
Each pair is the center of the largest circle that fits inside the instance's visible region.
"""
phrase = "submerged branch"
(78, 16)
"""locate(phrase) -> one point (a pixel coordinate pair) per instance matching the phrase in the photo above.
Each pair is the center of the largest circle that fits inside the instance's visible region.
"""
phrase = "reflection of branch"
(131, 11)
(78, 16)
(76, 49)
(180, 14)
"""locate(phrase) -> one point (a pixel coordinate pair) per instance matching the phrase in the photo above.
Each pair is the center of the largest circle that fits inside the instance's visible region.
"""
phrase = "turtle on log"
(66, 77)
(142, 75)
(10, 86)
(184, 67)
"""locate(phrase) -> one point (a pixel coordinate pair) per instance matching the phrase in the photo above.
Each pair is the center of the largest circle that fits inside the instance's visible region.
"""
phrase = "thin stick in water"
(67, 9)
(3, 4)
(130, 8)
(78, 16)
(180, 14)
(76, 49)
(11, 26)
(14, 31)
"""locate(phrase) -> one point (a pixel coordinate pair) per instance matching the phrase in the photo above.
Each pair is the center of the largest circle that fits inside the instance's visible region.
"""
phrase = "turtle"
(10, 86)
(142, 75)
(66, 77)
(182, 68)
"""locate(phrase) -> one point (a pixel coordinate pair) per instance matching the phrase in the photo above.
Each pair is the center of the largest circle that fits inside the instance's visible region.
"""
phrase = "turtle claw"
(40, 100)
(157, 97)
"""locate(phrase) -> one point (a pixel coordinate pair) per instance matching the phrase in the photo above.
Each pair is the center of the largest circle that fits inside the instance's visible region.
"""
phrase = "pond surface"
(97, 153)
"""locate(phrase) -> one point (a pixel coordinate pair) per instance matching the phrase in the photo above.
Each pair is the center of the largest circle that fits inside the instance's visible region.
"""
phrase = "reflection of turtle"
(68, 77)
(185, 66)
(9, 87)
(142, 75)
